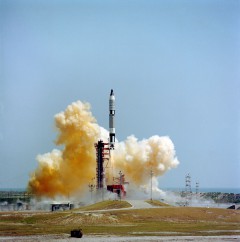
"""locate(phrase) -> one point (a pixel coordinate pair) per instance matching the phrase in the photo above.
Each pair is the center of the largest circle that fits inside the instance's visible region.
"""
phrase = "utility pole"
(151, 173)
(91, 187)
(120, 182)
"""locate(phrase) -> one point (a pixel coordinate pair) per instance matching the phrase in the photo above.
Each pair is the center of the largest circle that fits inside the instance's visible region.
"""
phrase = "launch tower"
(102, 154)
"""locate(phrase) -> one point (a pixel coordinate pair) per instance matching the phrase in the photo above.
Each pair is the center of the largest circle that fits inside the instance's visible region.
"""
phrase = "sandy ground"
(137, 204)
(67, 238)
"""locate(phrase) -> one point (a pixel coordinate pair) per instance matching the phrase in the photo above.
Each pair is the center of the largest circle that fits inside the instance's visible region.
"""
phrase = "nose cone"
(111, 94)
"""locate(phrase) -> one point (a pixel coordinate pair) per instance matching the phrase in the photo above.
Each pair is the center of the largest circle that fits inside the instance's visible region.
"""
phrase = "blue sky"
(174, 67)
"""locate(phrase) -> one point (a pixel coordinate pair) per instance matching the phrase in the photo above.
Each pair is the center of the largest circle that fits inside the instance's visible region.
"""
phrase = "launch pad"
(104, 172)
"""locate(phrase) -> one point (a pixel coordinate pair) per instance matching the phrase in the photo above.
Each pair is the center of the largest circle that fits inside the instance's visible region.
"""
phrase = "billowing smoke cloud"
(69, 171)
(138, 158)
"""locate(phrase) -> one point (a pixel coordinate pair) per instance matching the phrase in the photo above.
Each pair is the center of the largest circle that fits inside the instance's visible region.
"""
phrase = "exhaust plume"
(68, 172)
(63, 173)
(138, 158)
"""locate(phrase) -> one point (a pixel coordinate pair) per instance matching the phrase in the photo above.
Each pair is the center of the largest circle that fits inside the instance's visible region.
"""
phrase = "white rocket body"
(112, 120)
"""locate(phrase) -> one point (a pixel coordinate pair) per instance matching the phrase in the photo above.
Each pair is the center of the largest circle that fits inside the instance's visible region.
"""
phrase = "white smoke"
(138, 158)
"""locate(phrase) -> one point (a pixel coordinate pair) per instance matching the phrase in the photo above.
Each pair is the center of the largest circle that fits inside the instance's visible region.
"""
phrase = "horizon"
(161, 188)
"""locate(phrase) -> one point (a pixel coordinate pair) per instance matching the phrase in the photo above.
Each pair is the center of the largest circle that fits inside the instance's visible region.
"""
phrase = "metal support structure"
(103, 189)
(102, 155)
(197, 187)
(188, 188)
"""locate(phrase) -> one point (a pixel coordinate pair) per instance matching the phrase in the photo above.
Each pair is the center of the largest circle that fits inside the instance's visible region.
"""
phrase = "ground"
(123, 221)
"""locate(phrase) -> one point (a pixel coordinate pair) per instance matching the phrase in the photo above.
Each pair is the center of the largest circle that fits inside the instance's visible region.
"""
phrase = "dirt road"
(66, 238)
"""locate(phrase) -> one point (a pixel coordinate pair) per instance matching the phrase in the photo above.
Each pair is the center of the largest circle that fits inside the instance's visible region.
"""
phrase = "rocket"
(111, 120)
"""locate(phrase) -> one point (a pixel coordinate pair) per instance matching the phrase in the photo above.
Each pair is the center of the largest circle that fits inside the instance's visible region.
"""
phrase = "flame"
(69, 171)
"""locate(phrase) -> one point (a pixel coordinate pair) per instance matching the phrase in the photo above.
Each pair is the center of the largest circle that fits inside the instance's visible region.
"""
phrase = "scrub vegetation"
(123, 222)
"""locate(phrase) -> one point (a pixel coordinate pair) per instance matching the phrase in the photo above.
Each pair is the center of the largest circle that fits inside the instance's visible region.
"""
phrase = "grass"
(157, 203)
(104, 205)
(155, 221)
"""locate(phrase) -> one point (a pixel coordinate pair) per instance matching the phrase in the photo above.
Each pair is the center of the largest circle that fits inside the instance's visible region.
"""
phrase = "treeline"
(14, 196)
(220, 197)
